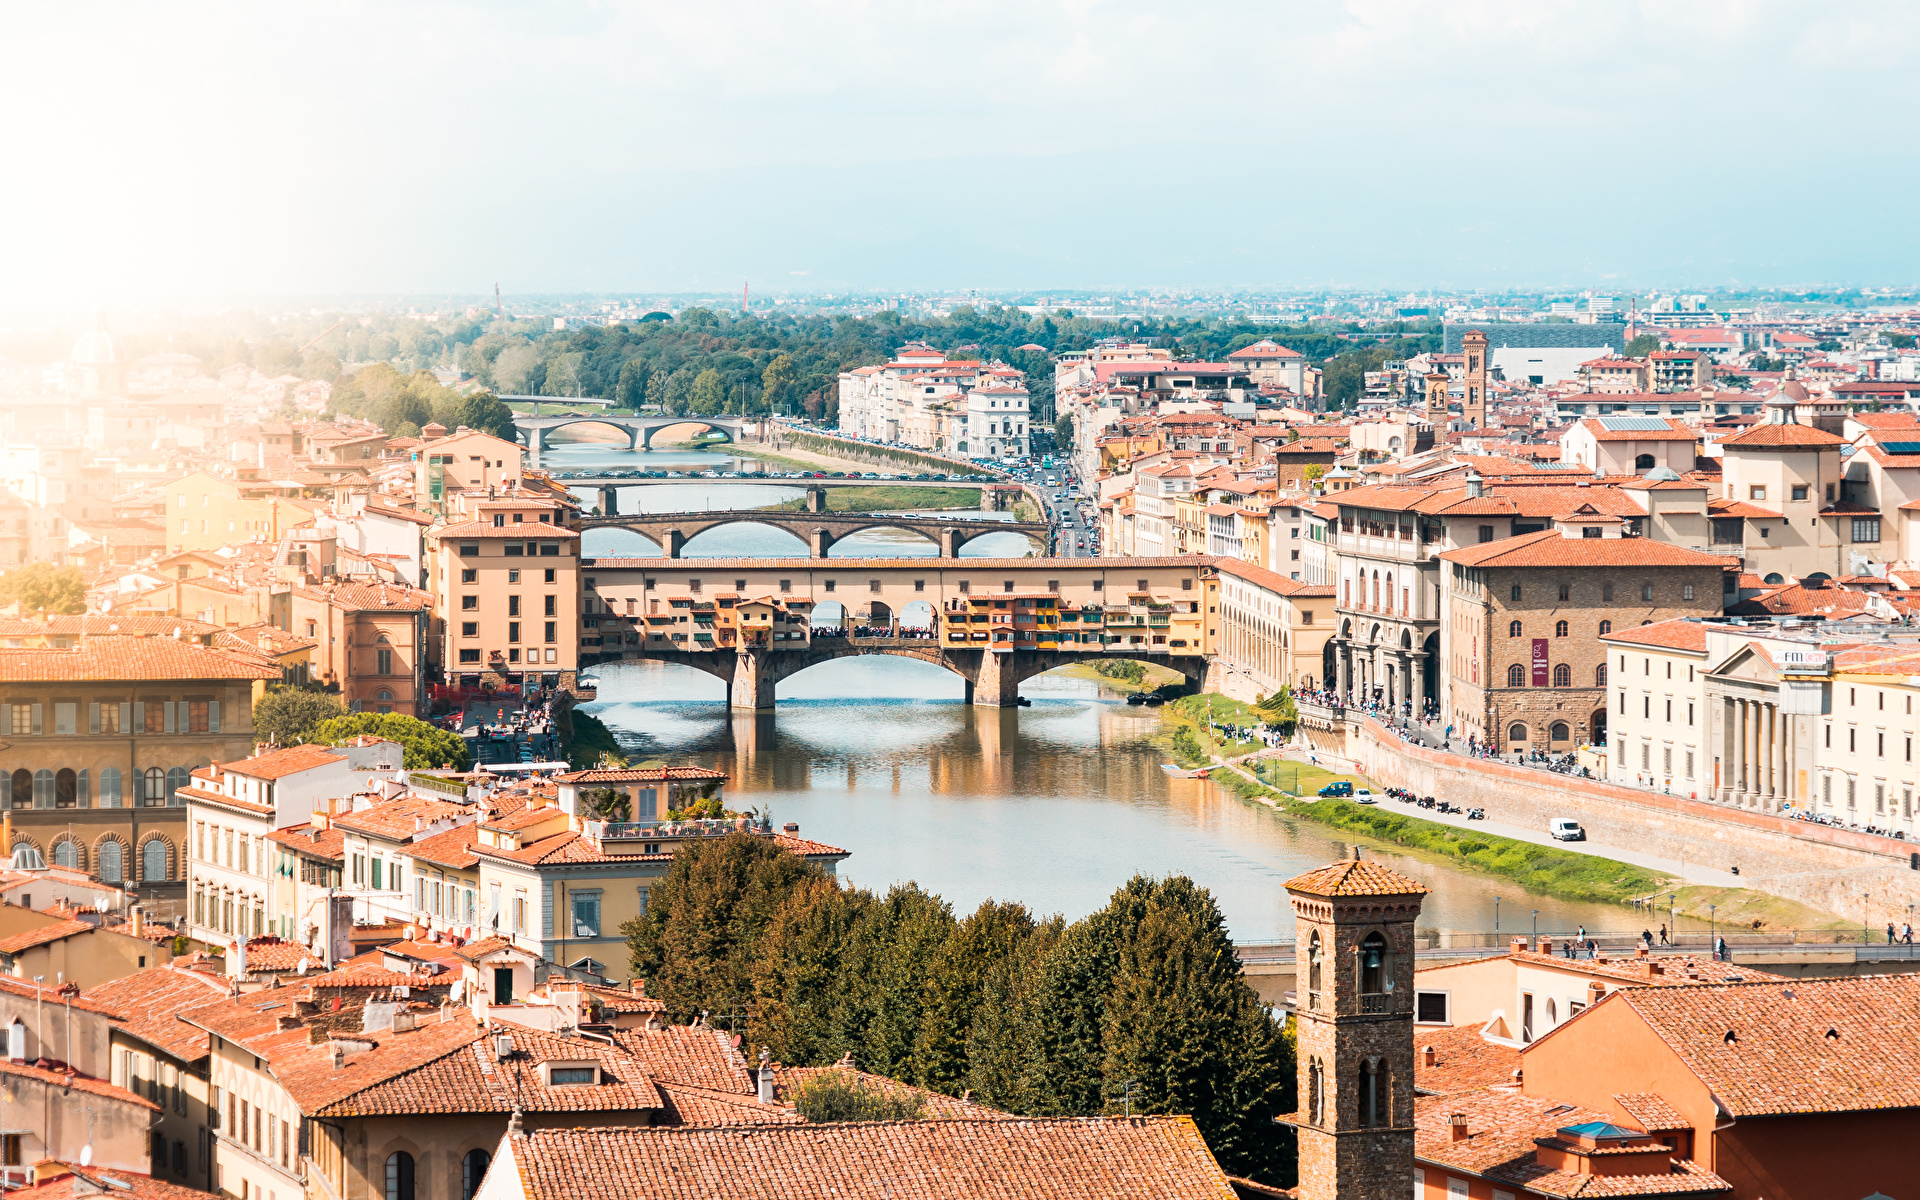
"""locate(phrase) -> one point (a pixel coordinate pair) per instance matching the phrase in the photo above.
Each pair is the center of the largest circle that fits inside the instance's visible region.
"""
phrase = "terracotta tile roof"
(314, 843)
(115, 659)
(639, 775)
(1803, 437)
(348, 594)
(1808, 1045)
(265, 954)
(1502, 1123)
(1677, 634)
(1802, 598)
(75, 1182)
(201, 795)
(79, 1083)
(1463, 1060)
(1685, 1179)
(451, 848)
(1085, 1158)
(149, 1003)
(1740, 508)
(1651, 1112)
(524, 531)
(1355, 877)
(695, 1055)
(276, 764)
(396, 819)
(26, 989)
(571, 847)
(688, 1105)
(1549, 548)
(43, 935)
(1673, 969)
(524, 817)
(621, 1000)
(1674, 432)
(465, 1077)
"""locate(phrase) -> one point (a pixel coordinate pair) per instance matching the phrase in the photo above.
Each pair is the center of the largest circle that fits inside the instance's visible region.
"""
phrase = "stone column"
(1745, 733)
(1343, 666)
(1758, 723)
(819, 542)
(950, 541)
(816, 500)
(675, 542)
(996, 685)
(1771, 792)
(1418, 678)
(753, 679)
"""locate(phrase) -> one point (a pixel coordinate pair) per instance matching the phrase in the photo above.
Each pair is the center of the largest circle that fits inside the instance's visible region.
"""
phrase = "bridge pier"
(816, 500)
(995, 684)
(752, 685)
(639, 438)
(819, 542)
(950, 542)
(609, 501)
(674, 543)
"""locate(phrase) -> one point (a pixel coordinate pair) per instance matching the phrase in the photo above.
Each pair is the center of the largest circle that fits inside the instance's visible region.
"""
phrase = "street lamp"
(1496, 915)
(1536, 927)
(1713, 930)
(1866, 934)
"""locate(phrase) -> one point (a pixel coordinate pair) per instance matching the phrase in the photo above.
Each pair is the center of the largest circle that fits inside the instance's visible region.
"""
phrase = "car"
(1363, 796)
(1339, 787)
(1566, 829)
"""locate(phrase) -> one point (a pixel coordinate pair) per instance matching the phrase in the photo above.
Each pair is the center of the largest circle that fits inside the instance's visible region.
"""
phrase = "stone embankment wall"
(876, 456)
(1858, 876)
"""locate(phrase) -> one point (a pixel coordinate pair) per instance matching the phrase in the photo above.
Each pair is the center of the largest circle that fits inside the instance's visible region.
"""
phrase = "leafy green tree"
(839, 1096)
(1643, 345)
(696, 944)
(41, 585)
(709, 394)
(1063, 433)
(797, 970)
(1278, 709)
(657, 390)
(1899, 341)
(427, 746)
(1006, 1024)
(630, 388)
(287, 716)
(953, 989)
(883, 980)
(777, 384)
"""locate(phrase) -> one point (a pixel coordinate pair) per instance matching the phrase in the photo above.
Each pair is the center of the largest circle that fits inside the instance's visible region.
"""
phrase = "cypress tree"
(953, 986)
(796, 970)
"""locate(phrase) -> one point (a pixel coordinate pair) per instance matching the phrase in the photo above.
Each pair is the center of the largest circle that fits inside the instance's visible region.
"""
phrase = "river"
(1055, 805)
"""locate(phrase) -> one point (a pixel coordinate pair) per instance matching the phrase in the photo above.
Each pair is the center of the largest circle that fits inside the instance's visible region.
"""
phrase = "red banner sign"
(1540, 662)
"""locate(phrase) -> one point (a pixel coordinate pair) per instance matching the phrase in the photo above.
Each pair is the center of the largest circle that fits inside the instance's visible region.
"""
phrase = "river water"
(1054, 806)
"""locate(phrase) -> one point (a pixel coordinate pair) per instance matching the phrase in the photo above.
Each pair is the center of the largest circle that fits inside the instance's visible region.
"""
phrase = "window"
(469, 629)
(1646, 591)
(400, 1176)
(473, 1168)
(1686, 591)
(1516, 732)
(586, 914)
(110, 787)
(1516, 676)
(1600, 675)
(1606, 591)
(155, 793)
(1559, 629)
(1566, 591)
(1516, 591)
(1430, 1008)
(470, 656)
(1486, 533)
(469, 575)
(550, 609)
(552, 633)
(1866, 529)
(112, 862)
(1563, 675)
(1757, 492)
(561, 1076)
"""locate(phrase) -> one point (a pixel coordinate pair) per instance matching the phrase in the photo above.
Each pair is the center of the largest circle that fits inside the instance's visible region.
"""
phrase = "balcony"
(1373, 1003)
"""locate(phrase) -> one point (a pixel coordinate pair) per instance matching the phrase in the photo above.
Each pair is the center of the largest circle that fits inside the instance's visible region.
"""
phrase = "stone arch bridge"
(532, 432)
(672, 531)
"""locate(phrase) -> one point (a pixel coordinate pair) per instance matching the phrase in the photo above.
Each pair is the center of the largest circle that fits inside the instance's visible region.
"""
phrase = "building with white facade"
(922, 399)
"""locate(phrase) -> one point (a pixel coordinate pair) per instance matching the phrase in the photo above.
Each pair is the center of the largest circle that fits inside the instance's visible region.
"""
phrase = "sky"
(199, 150)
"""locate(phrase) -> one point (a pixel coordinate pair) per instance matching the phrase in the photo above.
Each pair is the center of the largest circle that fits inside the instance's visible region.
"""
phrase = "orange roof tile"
(1549, 548)
(1677, 634)
(1463, 1060)
(114, 659)
(1355, 877)
(1802, 437)
(149, 1004)
(43, 935)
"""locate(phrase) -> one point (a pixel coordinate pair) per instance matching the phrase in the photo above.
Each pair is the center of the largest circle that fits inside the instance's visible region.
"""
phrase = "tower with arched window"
(1354, 1024)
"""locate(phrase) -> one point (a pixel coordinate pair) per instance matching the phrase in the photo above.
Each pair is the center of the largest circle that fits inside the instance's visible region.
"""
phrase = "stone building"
(1354, 1025)
(101, 737)
(1526, 667)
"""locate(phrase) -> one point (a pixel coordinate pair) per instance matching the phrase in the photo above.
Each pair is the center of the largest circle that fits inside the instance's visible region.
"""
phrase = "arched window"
(177, 778)
(1774, 577)
(1370, 1113)
(1315, 1092)
(155, 793)
(1563, 676)
(1513, 629)
(112, 862)
(1313, 962)
(23, 788)
(1643, 462)
(384, 695)
(1559, 732)
(400, 1176)
(110, 787)
(1516, 732)
(43, 788)
(1516, 676)
(1373, 965)
(1606, 591)
(66, 854)
(1606, 627)
(1516, 591)
(66, 788)
(1600, 675)
(1559, 629)
(1389, 591)
(1552, 1019)
(473, 1168)
(153, 862)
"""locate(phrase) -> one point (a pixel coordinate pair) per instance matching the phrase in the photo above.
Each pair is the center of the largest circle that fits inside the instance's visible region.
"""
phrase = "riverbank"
(886, 498)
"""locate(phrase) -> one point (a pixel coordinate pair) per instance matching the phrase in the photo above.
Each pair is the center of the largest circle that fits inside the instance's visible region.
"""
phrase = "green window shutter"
(213, 716)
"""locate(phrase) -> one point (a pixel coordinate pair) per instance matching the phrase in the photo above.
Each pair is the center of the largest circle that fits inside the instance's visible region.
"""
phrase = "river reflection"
(1054, 805)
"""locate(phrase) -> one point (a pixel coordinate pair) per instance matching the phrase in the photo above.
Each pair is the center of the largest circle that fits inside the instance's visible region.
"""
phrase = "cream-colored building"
(505, 580)
(466, 459)
(233, 810)
(206, 512)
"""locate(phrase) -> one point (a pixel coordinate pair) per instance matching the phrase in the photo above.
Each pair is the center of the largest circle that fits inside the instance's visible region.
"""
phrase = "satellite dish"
(302, 968)
(86, 1155)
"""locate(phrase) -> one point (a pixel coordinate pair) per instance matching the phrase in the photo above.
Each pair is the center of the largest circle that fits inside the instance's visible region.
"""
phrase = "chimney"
(1517, 945)
(765, 1076)
(1546, 946)
(1596, 992)
(791, 828)
(1475, 486)
(1427, 1056)
(139, 920)
(1458, 1122)
(1640, 951)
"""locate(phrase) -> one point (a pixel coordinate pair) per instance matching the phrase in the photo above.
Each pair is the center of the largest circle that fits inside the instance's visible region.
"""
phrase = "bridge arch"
(644, 440)
(704, 527)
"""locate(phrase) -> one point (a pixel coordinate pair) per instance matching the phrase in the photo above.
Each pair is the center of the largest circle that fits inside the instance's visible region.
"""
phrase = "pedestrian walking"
(1663, 936)
(1889, 933)
(1646, 938)
(1906, 934)
(1720, 949)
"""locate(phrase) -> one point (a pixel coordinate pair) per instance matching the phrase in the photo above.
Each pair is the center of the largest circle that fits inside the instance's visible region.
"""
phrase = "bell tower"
(1474, 345)
(1353, 936)
(1437, 400)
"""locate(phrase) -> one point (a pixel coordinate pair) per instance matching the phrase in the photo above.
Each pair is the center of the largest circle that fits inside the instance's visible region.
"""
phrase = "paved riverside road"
(1693, 873)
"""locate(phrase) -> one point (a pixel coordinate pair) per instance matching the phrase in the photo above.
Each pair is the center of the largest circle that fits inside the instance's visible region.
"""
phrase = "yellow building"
(505, 578)
(205, 512)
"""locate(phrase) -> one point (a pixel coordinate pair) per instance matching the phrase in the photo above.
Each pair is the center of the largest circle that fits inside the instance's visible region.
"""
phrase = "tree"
(487, 412)
(709, 394)
(288, 716)
(1063, 433)
(696, 943)
(1643, 345)
(839, 1096)
(427, 746)
(630, 388)
(796, 972)
(953, 986)
(1278, 709)
(777, 384)
(42, 586)
(883, 980)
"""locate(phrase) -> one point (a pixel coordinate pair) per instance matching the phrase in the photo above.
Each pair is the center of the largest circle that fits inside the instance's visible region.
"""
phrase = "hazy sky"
(203, 149)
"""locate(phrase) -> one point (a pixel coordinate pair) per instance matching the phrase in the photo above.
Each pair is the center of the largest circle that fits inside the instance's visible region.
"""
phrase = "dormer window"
(571, 1074)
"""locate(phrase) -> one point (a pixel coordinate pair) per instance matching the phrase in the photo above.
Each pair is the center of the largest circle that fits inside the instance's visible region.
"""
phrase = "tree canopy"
(427, 746)
(404, 404)
(42, 585)
(288, 716)
(1141, 1003)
